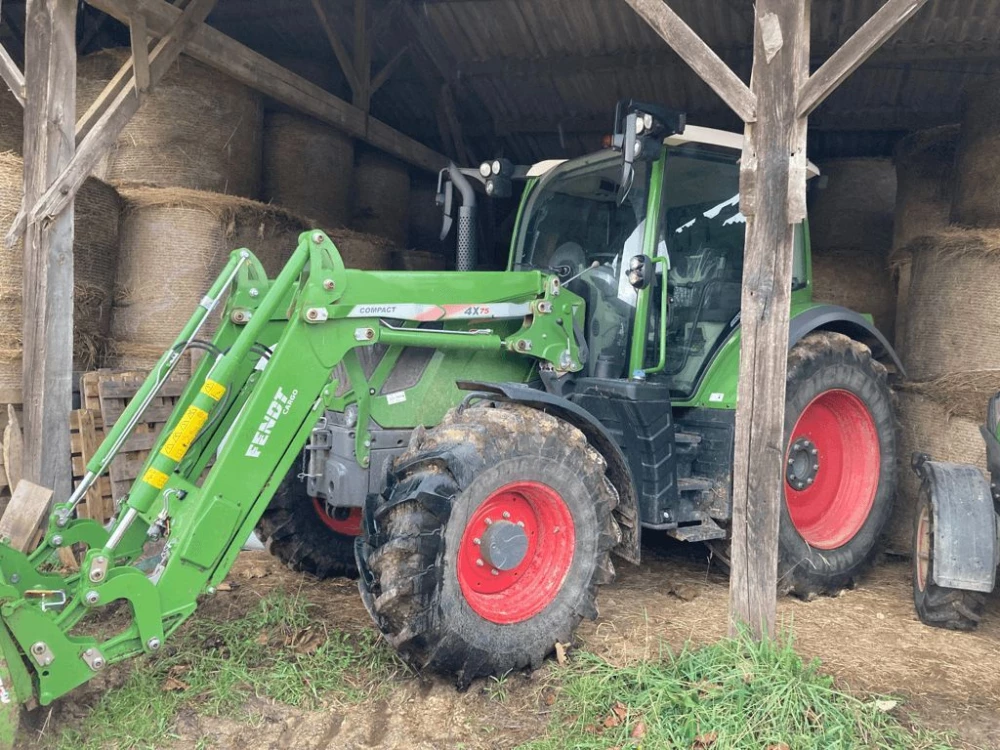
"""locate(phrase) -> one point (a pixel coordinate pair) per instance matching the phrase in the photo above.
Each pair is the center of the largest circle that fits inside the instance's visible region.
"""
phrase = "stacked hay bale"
(156, 290)
(95, 250)
(199, 129)
(382, 196)
(850, 228)
(924, 166)
(11, 122)
(308, 168)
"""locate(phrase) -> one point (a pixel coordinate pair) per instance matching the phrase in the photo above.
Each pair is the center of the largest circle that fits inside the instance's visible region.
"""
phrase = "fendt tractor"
(475, 445)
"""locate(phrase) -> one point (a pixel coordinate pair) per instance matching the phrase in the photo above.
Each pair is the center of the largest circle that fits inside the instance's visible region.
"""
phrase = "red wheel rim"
(832, 469)
(350, 526)
(519, 587)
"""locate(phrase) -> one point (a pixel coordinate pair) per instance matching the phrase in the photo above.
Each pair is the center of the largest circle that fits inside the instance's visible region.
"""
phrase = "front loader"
(475, 445)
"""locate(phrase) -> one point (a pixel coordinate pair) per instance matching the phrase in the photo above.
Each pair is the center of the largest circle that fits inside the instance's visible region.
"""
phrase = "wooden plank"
(98, 504)
(109, 126)
(47, 283)
(362, 56)
(253, 69)
(339, 50)
(866, 40)
(389, 68)
(767, 281)
(708, 65)
(27, 511)
(13, 449)
(140, 52)
(12, 75)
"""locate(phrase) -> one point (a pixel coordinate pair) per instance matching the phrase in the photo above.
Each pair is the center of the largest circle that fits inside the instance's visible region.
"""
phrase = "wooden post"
(362, 56)
(781, 43)
(49, 118)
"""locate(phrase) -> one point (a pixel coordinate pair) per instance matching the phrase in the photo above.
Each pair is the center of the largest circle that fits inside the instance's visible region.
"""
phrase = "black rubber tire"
(413, 592)
(293, 532)
(937, 606)
(823, 361)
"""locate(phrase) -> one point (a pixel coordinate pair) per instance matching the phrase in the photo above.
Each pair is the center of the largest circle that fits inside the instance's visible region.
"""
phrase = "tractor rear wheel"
(298, 530)
(938, 606)
(840, 463)
(489, 542)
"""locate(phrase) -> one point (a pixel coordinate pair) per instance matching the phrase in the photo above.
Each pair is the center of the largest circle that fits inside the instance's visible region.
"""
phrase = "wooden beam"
(12, 75)
(250, 68)
(104, 100)
(708, 65)
(47, 284)
(780, 31)
(362, 57)
(27, 511)
(337, 45)
(855, 51)
(389, 68)
(109, 126)
(140, 52)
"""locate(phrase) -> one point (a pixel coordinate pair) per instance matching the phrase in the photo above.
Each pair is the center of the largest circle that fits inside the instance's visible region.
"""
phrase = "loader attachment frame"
(236, 432)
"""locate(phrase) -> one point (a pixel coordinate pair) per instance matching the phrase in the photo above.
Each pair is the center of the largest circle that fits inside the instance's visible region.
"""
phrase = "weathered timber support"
(49, 114)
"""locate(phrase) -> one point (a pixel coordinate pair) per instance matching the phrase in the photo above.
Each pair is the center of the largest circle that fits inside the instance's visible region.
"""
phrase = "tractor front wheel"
(489, 542)
(840, 463)
(299, 531)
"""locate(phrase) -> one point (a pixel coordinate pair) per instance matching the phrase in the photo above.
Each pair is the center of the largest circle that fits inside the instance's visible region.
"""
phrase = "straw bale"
(953, 306)
(11, 122)
(925, 163)
(95, 251)
(855, 208)
(308, 168)
(382, 196)
(930, 426)
(858, 280)
(977, 170)
(366, 252)
(199, 129)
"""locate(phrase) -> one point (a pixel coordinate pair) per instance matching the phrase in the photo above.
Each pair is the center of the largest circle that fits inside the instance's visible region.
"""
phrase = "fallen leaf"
(611, 721)
(620, 710)
(885, 706)
(705, 741)
(561, 649)
(307, 641)
(172, 684)
(262, 639)
(549, 698)
(638, 731)
(592, 729)
(255, 571)
(779, 746)
(178, 669)
(684, 593)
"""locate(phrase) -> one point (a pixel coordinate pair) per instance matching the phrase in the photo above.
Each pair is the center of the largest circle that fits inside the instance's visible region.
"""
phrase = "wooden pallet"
(86, 434)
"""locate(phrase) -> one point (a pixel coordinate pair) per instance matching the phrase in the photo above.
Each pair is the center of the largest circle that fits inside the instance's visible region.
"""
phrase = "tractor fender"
(597, 436)
(847, 322)
(966, 552)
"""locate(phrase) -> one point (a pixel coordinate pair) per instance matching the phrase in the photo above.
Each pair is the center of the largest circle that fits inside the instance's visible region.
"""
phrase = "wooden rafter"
(389, 68)
(112, 122)
(708, 65)
(140, 52)
(215, 49)
(865, 41)
(337, 45)
(12, 75)
(362, 56)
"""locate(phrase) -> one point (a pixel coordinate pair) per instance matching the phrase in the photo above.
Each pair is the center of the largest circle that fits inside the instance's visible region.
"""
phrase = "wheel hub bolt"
(477, 541)
(479, 563)
(494, 572)
(506, 514)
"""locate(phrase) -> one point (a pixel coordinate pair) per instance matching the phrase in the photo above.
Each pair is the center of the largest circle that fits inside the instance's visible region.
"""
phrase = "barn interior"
(287, 114)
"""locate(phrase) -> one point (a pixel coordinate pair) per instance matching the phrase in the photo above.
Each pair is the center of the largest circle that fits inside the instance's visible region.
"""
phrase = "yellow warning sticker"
(213, 390)
(155, 477)
(184, 433)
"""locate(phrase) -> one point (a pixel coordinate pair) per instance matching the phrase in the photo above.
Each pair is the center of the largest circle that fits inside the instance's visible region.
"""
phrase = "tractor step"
(704, 531)
(694, 484)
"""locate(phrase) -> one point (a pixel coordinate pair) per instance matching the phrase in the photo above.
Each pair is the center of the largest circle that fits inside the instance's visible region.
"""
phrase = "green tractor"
(476, 445)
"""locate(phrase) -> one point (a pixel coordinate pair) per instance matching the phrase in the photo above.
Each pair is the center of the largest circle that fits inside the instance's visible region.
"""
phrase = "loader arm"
(236, 432)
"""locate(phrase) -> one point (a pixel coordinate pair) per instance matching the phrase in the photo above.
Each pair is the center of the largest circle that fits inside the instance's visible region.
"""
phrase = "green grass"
(730, 695)
(278, 651)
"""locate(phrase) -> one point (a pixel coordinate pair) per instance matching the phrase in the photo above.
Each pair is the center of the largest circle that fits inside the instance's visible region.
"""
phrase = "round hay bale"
(199, 129)
(382, 196)
(977, 167)
(308, 168)
(156, 294)
(855, 208)
(366, 252)
(925, 162)
(929, 426)
(858, 280)
(11, 122)
(95, 251)
(953, 307)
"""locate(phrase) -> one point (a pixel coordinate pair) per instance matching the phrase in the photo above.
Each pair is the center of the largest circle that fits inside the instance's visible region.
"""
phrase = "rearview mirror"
(640, 271)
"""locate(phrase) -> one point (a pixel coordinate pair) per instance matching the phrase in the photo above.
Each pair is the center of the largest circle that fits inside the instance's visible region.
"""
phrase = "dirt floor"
(868, 638)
